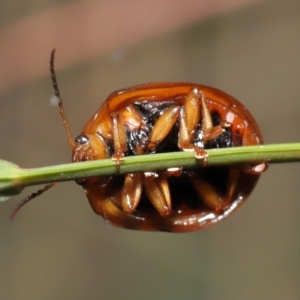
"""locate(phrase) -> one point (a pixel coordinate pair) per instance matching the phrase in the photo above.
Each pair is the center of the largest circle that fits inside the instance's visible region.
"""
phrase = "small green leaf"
(8, 185)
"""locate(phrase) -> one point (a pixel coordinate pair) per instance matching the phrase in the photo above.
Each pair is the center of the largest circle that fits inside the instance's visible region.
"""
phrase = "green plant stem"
(13, 179)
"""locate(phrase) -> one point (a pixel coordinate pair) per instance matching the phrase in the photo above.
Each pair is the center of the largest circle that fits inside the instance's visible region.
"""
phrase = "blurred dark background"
(57, 248)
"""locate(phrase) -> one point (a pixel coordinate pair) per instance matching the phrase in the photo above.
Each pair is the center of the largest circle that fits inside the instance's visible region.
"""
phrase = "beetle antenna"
(69, 136)
(60, 103)
(32, 196)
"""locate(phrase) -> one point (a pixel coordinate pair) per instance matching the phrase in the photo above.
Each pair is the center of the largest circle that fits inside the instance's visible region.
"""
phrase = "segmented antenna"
(60, 103)
(32, 196)
(69, 136)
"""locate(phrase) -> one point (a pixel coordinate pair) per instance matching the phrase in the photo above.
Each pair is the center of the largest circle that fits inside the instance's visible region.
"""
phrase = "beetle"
(158, 118)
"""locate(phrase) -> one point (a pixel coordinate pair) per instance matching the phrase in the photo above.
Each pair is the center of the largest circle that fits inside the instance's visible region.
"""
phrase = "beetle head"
(89, 147)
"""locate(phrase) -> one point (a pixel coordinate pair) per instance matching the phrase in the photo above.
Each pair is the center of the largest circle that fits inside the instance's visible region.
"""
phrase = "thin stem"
(14, 179)
(216, 157)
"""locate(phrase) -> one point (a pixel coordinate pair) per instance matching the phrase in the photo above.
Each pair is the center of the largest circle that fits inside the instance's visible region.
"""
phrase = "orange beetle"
(166, 117)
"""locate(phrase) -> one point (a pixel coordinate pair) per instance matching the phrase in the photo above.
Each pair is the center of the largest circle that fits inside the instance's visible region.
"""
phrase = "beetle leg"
(131, 192)
(233, 178)
(209, 131)
(119, 138)
(163, 126)
(189, 118)
(192, 110)
(131, 117)
(184, 142)
(158, 192)
(213, 199)
(208, 195)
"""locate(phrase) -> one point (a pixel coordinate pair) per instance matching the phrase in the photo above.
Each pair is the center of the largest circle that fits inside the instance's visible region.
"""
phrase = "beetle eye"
(82, 139)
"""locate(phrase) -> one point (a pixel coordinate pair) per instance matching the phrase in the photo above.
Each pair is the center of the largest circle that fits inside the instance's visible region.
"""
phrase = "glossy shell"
(123, 125)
